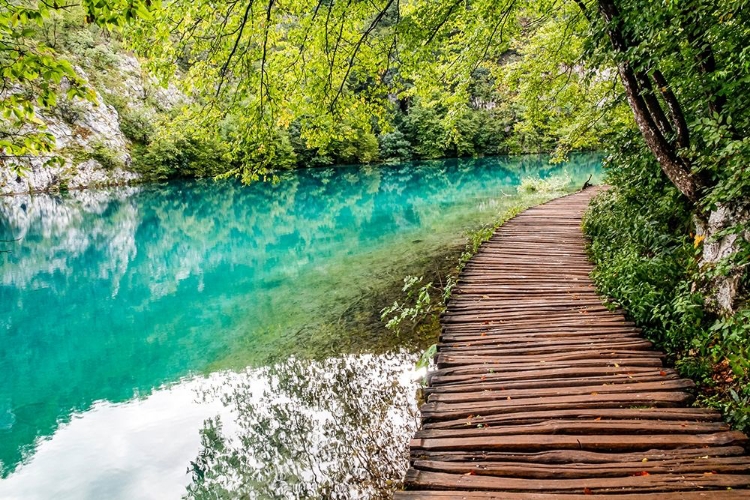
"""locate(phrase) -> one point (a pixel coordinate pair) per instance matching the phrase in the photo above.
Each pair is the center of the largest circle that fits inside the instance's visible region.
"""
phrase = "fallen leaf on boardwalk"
(663, 373)
(598, 418)
(471, 473)
(594, 393)
(641, 473)
(587, 491)
(644, 460)
(508, 398)
(485, 296)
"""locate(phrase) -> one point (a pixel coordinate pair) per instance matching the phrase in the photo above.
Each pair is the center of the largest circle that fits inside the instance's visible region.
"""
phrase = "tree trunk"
(675, 168)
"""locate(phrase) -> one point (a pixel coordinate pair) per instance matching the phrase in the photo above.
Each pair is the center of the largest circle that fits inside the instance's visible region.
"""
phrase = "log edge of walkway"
(541, 392)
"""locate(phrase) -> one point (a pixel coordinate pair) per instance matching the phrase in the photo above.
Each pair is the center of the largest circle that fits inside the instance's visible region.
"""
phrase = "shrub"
(647, 262)
(106, 156)
(179, 154)
(394, 146)
(136, 125)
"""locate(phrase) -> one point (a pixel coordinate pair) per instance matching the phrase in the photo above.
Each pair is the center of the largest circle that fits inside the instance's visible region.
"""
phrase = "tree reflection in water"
(337, 428)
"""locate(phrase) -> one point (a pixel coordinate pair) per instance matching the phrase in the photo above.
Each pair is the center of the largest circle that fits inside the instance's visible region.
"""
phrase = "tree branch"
(675, 110)
(225, 67)
(264, 57)
(355, 51)
(584, 9)
(653, 105)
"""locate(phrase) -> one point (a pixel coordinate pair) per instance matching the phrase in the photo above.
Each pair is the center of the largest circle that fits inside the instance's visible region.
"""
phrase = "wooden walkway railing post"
(541, 392)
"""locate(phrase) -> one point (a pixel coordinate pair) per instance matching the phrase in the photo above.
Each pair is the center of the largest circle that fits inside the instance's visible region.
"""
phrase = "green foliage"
(425, 130)
(417, 304)
(553, 184)
(426, 358)
(35, 75)
(179, 154)
(106, 156)
(647, 262)
(136, 125)
(393, 146)
(423, 80)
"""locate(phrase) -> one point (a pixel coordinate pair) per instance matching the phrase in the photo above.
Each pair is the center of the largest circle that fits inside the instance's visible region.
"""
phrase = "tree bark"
(721, 291)
(675, 110)
(652, 103)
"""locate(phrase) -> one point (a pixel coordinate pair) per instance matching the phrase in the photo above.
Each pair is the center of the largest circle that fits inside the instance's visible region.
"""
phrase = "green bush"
(647, 263)
(106, 156)
(136, 125)
(179, 155)
(394, 146)
(424, 129)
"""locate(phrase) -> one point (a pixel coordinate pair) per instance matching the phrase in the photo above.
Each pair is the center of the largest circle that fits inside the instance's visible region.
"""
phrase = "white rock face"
(139, 87)
(722, 291)
(79, 127)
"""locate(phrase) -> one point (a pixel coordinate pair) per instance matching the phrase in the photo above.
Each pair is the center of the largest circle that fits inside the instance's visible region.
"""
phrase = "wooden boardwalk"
(541, 392)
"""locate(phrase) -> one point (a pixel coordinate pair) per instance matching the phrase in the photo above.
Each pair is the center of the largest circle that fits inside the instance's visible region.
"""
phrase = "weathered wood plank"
(505, 495)
(717, 465)
(639, 483)
(574, 457)
(604, 442)
(576, 427)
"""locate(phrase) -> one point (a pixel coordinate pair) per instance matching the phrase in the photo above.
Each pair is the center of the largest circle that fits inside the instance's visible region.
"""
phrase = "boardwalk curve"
(541, 392)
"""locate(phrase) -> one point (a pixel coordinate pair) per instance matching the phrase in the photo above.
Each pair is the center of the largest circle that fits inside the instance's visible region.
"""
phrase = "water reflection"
(299, 429)
(110, 294)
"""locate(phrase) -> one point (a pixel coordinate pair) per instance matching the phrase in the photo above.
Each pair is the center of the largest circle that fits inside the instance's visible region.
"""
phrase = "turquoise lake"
(200, 338)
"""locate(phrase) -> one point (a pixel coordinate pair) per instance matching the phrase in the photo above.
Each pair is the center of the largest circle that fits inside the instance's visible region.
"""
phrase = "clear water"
(196, 337)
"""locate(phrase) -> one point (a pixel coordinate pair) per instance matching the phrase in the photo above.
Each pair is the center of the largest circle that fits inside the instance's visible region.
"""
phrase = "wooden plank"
(604, 442)
(531, 416)
(576, 427)
(717, 465)
(575, 457)
(505, 495)
(640, 483)
(586, 390)
(481, 384)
